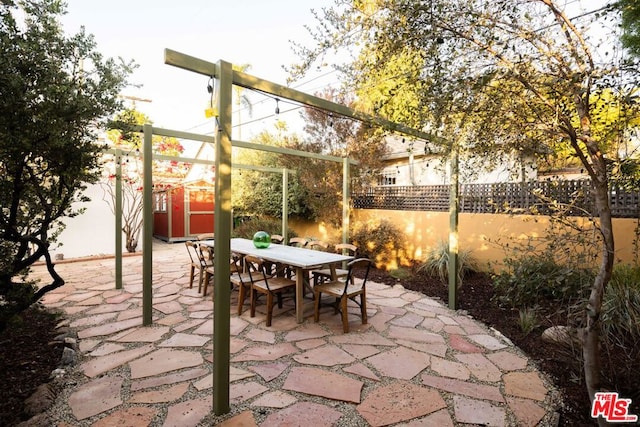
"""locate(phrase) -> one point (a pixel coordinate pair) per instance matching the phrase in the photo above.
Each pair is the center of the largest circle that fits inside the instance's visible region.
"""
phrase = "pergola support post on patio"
(285, 206)
(147, 229)
(117, 208)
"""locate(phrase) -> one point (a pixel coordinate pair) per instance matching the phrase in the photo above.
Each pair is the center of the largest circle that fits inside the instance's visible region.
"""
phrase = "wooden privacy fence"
(572, 197)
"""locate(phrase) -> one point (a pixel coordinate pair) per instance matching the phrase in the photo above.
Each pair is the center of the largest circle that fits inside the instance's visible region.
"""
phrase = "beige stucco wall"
(478, 232)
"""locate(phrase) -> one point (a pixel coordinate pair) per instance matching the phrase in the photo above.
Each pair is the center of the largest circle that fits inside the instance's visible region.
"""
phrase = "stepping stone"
(276, 399)
(162, 361)
(102, 364)
(169, 379)
(95, 397)
(524, 384)
(460, 344)
(188, 413)
(329, 355)
(401, 363)
(528, 413)
(400, 401)
(133, 417)
(303, 414)
(319, 382)
(269, 371)
(145, 334)
(416, 335)
(241, 392)
(307, 331)
(362, 370)
(507, 361)
(244, 419)
(479, 391)
(160, 396)
(473, 411)
(480, 367)
(185, 340)
(265, 352)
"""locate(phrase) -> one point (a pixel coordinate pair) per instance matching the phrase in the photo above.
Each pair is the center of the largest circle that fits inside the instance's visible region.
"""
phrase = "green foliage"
(436, 263)
(621, 307)
(630, 24)
(400, 273)
(247, 227)
(532, 280)
(51, 110)
(260, 193)
(528, 320)
(379, 240)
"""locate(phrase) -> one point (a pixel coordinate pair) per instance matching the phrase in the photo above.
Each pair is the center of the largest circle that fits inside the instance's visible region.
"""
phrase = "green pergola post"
(118, 213)
(147, 227)
(346, 208)
(222, 229)
(285, 206)
(453, 230)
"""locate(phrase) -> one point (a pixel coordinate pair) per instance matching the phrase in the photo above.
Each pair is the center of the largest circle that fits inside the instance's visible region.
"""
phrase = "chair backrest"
(348, 248)
(255, 266)
(356, 264)
(237, 261)
(318, 245)
(276, 238)
(192, 249)
(300, 242)
(207, 254)
(205, 236)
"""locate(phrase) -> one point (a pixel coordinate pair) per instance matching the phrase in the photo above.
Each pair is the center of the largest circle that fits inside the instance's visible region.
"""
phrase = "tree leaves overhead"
(56, 92)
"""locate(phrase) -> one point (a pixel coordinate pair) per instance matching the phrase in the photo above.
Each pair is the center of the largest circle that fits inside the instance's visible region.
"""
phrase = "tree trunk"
(591, 338)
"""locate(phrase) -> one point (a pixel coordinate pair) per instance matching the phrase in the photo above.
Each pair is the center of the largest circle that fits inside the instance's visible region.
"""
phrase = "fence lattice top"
(573, 197)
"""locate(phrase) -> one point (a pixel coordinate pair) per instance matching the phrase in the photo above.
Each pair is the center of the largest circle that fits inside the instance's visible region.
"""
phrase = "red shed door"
(200, 211)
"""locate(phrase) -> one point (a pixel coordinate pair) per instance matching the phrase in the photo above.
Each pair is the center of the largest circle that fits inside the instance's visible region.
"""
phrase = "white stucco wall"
(93, 232)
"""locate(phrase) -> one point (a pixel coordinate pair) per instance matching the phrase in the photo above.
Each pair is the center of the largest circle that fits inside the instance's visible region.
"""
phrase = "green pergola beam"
(197, 65)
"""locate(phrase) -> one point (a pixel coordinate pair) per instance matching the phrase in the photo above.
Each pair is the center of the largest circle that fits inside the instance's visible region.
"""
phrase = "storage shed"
(183, 211)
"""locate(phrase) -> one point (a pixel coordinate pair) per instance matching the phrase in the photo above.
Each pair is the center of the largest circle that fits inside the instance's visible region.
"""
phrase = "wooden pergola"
(223, 72)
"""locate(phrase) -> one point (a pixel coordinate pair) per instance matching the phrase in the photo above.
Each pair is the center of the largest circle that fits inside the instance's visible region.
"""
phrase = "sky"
(254, 32)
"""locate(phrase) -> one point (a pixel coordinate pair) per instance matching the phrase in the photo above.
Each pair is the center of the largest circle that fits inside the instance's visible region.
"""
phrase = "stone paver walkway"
(416, 363)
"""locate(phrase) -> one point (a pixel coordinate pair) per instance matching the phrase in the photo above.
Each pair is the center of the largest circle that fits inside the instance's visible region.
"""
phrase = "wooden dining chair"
(240, 279)
(207, 255)
(264, 283)
(343, 290)
(333, 272)
(196, 264)
(277, 239)
(317, 245)
(299, 242)
(205, 236)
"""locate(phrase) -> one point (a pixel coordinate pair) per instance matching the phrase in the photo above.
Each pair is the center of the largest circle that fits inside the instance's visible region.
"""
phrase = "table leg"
(300, 273)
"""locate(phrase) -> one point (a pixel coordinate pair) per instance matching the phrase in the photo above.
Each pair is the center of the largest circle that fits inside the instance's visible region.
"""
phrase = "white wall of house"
(91, 233)
(423, 170)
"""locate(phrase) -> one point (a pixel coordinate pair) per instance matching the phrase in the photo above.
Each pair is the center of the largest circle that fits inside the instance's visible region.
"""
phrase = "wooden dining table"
(303, 260)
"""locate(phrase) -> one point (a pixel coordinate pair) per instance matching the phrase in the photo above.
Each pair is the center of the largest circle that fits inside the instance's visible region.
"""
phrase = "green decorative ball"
(261, 240)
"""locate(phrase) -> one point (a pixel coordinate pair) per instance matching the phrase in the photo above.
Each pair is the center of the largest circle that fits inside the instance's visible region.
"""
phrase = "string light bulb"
(277, 106)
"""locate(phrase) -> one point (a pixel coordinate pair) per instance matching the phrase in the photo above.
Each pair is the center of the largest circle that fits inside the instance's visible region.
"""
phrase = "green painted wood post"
(147, 227)
(118, 214)
(346, 195)
(453, 230)
(222, 228)
(285, 206)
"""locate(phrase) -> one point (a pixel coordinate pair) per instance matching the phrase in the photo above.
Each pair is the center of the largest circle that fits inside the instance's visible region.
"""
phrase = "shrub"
(538, 280)
(248, 226)
(621, 307)
(379, 240)
(528, 320)
(437, 263)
